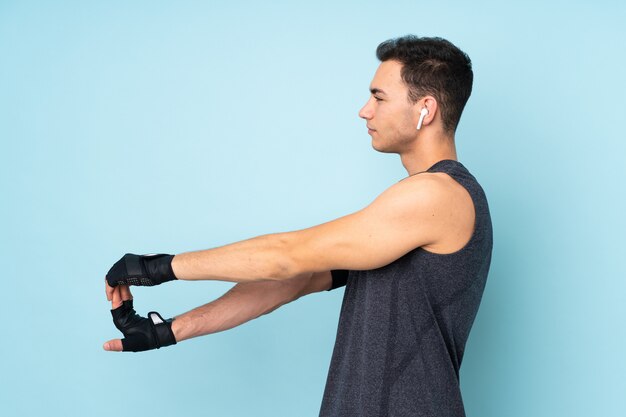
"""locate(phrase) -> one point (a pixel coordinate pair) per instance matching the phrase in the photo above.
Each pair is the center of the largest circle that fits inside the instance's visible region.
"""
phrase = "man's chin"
(378, 147)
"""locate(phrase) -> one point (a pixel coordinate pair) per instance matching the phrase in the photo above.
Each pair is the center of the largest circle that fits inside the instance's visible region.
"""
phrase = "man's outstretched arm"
(411, 213)
(244, 302)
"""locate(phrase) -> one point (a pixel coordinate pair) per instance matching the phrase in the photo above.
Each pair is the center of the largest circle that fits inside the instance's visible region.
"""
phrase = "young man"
(414, 261)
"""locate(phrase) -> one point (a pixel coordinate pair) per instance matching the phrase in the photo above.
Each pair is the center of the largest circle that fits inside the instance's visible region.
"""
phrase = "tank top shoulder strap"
(460, 174)
(455, 169)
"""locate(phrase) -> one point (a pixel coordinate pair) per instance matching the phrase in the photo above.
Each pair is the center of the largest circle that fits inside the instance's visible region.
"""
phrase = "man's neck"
(427, 152)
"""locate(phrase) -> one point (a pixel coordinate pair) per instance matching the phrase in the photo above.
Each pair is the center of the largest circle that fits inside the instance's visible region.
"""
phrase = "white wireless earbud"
(423, 113)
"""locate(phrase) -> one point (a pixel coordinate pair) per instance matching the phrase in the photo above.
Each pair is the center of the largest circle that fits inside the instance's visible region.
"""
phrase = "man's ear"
(429, 103)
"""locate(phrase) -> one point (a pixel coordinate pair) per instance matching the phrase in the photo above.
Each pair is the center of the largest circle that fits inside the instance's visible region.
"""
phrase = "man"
(414, 261)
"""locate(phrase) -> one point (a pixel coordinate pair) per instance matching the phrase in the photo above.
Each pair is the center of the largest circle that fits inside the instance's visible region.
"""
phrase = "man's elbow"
(285, 269)
(288, 264)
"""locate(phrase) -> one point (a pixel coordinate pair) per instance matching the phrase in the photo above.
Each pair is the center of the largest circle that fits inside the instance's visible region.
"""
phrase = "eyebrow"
(377, 91)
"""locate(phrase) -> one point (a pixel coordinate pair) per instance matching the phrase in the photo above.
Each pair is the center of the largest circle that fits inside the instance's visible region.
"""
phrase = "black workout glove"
(142, 333)
(144, 270)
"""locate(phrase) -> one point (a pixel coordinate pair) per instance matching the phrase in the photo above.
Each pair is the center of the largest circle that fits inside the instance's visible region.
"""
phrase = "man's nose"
(366, 111)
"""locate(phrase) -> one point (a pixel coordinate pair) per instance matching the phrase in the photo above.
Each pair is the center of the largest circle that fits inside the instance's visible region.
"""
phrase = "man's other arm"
(247, 301)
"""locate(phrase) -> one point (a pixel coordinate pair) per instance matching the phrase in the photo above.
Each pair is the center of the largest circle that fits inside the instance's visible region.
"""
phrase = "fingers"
(117, 295)
(108, 290)
(125, 292)
(116, 298)
(114, 345)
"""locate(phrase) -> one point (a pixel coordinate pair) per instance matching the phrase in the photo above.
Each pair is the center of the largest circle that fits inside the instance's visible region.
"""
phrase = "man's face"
(390, 116)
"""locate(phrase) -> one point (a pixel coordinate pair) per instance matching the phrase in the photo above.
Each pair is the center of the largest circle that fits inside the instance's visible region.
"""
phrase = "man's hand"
(144, 270)
(140, 333)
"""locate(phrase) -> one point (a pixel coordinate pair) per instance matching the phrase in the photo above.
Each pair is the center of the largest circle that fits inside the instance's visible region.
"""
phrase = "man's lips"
(370, 130)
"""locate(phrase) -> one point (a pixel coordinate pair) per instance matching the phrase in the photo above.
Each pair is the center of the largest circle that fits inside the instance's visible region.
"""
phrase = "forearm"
(264, 257)
(243, 302)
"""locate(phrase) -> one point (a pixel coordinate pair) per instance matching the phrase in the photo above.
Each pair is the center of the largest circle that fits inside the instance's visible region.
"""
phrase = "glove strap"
(163, 334)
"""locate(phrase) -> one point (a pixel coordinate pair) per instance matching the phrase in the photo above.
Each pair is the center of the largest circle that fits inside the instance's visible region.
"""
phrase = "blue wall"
(174, 126)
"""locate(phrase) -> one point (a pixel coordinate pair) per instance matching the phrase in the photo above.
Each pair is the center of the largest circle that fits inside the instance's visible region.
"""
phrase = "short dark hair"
(432, 66)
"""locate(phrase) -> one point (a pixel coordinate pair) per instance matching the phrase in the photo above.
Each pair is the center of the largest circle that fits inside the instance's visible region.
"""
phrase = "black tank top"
(403, 327)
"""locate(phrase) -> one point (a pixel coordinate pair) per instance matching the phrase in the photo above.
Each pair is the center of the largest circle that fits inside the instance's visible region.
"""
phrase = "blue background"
(158, 126)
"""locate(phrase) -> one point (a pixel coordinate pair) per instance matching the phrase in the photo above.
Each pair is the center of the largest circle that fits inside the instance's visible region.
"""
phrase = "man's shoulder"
(439, 204)
(425, 201)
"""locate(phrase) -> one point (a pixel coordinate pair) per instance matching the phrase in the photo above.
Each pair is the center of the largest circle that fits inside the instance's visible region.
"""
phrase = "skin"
(429, 210)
